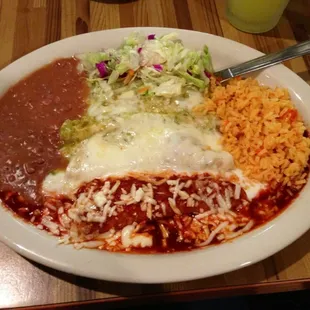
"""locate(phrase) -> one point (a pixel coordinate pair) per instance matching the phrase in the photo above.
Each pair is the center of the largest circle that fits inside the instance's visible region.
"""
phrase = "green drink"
(255, 16)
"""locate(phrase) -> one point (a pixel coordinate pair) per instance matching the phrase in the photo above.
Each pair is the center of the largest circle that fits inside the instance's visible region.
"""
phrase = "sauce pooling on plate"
(31, 114)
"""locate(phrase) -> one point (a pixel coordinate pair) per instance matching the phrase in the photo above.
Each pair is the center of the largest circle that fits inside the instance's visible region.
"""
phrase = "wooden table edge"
(185, 296)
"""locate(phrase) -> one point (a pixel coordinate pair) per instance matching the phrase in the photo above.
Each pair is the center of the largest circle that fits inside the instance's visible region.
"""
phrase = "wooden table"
(28, 25)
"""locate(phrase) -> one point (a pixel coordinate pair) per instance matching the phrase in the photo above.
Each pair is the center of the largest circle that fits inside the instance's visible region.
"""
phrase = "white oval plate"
(243, 251)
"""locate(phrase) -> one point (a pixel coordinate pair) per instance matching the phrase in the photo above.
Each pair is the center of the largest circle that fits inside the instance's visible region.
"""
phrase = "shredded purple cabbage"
(102, 68)
(139, 50)
(190, 73)
(151, 37)
(208, 74)
(158, 68)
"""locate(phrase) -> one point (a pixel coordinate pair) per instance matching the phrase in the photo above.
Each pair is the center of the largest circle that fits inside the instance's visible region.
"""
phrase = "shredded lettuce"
(150, 59)
(207, 61)
(89, 60)
(170, 88)
(113, 77)
(192, 80)
(134, 39)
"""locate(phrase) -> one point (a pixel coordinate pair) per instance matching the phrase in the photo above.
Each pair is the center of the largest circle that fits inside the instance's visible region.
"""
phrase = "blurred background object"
(255, 16)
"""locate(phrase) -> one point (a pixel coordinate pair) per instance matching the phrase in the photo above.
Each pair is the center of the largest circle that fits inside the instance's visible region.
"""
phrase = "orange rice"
(262, 130)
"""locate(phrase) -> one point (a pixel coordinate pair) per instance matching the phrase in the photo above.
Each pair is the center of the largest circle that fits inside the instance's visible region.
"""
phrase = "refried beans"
(31, 113)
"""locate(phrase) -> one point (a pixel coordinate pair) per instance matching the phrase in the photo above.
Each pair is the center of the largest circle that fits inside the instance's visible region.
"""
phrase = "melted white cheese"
(144, 143)
(194, 98)
(129, 238)
(130, 103)
(251, 188)
(126, 103)
(55, 183)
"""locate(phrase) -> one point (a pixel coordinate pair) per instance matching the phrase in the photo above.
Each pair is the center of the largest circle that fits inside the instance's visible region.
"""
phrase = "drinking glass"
(255, 16)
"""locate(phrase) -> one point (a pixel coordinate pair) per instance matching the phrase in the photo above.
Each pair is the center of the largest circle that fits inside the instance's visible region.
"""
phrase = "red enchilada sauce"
(31, 114)
(268, 204)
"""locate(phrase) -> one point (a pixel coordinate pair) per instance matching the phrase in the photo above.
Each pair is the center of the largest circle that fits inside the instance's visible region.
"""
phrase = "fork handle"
(265, 61)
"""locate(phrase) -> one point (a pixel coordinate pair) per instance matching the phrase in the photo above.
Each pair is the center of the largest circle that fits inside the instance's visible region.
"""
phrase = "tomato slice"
(291, 115)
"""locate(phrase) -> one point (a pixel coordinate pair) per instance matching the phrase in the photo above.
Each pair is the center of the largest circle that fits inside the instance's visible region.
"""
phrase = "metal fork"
(265, 61)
